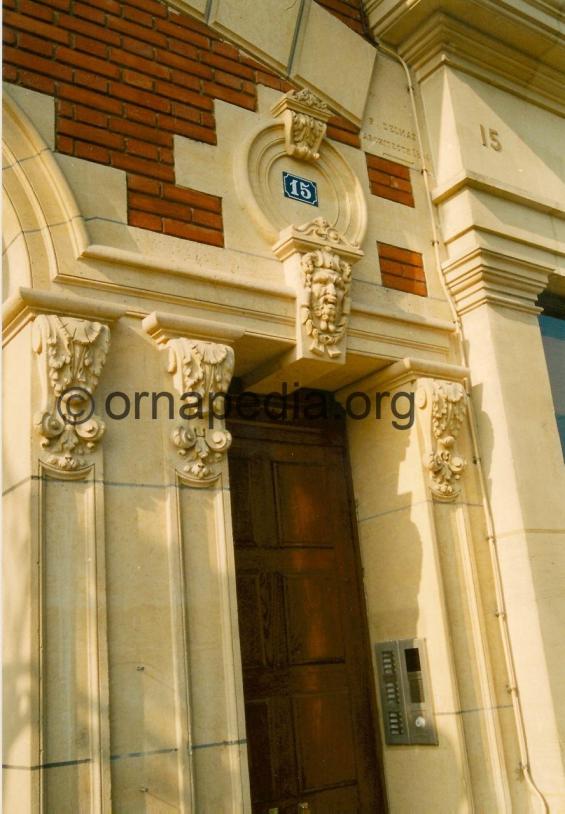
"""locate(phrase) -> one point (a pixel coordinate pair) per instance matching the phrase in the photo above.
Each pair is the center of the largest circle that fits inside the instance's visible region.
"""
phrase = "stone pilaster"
(57, 730)
(521, 455)
(208, 679)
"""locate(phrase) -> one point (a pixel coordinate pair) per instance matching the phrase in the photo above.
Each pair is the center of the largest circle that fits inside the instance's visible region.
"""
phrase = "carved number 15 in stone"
(490, 139)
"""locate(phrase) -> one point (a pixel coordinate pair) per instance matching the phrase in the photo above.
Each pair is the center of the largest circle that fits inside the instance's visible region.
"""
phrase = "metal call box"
(405, 693)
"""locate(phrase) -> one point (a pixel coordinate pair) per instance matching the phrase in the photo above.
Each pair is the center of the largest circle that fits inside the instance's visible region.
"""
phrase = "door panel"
(302, 488)
(324, 736)
(313, 624)
(307, 679)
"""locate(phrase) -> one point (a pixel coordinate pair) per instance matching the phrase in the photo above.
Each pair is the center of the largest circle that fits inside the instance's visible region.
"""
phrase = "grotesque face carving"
(327, 279)
(328, 290)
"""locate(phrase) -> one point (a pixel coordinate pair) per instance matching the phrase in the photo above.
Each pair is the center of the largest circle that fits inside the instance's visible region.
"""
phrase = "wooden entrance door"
(307, 679)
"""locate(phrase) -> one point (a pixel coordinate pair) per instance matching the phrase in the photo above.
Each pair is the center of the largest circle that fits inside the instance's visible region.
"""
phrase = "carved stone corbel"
(305, 122)
(448, 408)
(71, 354)
(318, 261)
(326, 302)
(201, 372)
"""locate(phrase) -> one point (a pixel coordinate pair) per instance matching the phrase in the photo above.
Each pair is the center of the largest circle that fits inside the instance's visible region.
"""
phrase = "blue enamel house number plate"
(300, 189)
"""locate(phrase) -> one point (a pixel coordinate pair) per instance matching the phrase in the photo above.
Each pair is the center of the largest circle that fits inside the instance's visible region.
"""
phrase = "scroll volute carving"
(201, 373)
(305, 122)
(71, 354)
(447, 402)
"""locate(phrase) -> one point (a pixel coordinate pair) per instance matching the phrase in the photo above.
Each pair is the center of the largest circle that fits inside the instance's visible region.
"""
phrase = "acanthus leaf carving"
(71, 353)
(305, 120)
(305, 97)
(445, 465)
(200, 367)
(203, 370)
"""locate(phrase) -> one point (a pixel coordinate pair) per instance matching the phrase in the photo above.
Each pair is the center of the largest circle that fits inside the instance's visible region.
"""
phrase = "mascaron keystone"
(320, 259)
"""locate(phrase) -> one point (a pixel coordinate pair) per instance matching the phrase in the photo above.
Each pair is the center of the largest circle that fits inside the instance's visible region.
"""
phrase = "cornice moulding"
(532, 27)
(443, 40)
(27, 303)
(485, 277)
(432, 323)
(472, 180)
(163, 327)
(274, 321)
(110, 254)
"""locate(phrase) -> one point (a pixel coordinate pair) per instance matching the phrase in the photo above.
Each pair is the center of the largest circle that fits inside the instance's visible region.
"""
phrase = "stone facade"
(150, 252)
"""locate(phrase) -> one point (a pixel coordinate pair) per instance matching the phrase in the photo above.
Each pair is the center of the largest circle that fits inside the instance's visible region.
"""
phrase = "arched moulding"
(16, 260)
(40, 201)
(258, 169)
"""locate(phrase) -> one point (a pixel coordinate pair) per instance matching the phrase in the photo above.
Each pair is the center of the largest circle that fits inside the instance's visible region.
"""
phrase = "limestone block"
(266, 28)
(334, 62)
(136, 778)
(516, 422)
(439, 784)
(388, 128)
(441, 127)
(484, 130)
(196, 8)
(532, 572)
(215, 770)
(100, 191)
(39, 107)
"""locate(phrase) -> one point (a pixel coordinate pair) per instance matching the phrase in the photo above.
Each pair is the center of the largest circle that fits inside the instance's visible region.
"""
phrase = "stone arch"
(42, 221)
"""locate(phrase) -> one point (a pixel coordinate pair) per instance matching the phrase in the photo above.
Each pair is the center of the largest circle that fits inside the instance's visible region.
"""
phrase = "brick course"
(402, 269)
(127, 76)
(389, 180)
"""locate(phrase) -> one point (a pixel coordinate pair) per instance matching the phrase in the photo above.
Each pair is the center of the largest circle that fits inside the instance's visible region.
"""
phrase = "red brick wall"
(128, 75)
(389, 180)
(402, 269)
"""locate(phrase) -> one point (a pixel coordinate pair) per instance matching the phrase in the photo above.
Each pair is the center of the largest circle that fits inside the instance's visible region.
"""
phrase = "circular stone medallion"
(259, 168)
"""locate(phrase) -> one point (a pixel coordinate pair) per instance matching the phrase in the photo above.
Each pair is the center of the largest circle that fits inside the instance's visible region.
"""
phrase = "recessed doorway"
(308, 685)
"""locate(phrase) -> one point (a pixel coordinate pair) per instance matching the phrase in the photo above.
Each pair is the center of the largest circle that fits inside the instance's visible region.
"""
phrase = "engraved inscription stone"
(388, 128)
